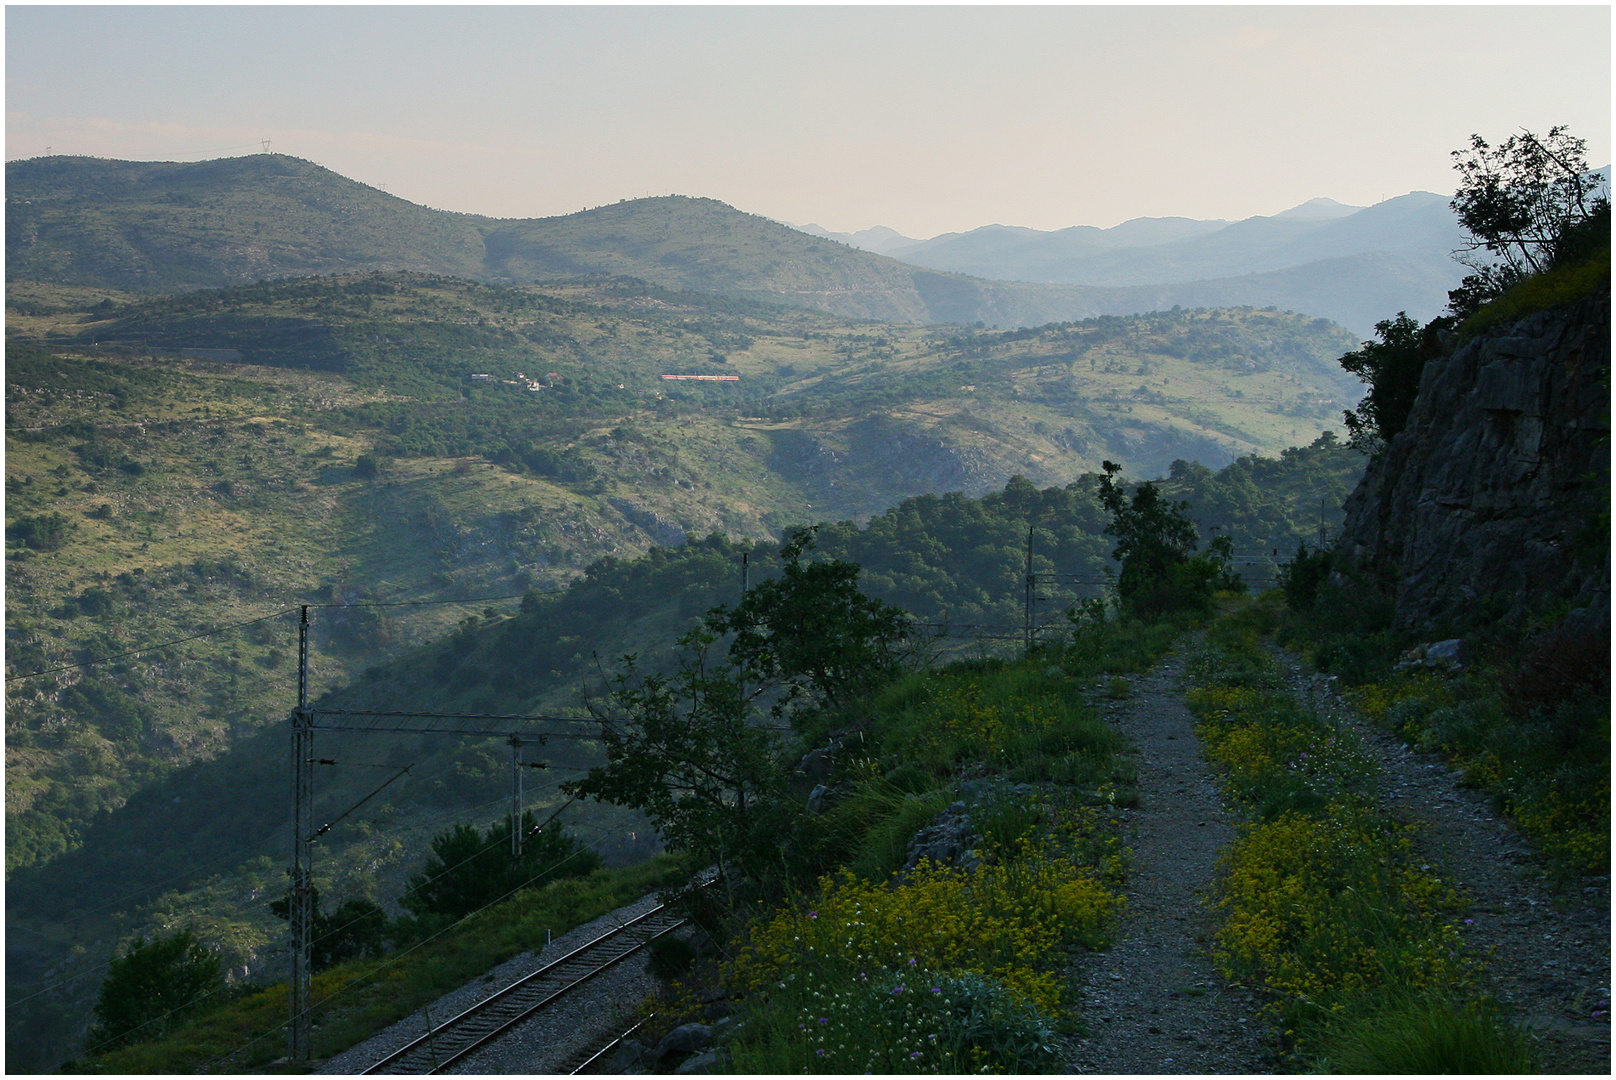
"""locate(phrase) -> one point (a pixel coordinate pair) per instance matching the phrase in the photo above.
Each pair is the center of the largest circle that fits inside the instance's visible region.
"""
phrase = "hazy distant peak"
(878, 239)
(1320, 209)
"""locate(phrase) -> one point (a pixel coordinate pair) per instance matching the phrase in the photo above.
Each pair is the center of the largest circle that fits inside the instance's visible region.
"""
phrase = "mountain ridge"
(160, 226)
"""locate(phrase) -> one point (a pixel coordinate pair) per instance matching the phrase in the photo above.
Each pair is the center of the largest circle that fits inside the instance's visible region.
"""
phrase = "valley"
(450, 508)
(188, 462)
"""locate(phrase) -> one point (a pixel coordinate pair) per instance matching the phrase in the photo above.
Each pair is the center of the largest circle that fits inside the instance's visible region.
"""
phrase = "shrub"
(153, 988)
(1301, 578)
(1391, 367)
(1007, 921)
(671, 957)
(839, 984)
(45, 532)
(471, 869)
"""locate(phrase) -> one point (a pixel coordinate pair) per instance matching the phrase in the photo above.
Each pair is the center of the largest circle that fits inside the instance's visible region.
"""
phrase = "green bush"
(1302, 577)
(469, 869)
(44, 532)
(671, 957)
(153, 988)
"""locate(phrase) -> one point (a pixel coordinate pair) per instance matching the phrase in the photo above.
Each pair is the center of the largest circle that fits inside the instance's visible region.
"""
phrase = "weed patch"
(1323, 901)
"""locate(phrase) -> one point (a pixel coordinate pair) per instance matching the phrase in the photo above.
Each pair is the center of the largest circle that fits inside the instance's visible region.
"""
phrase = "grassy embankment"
(1527, 719)
(1325, 904)
(1017, 741)
(939, 970)
(353, 1001)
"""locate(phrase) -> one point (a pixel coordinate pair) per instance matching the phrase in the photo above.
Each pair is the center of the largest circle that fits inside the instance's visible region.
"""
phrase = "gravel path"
(1153, 1003)
(1550, 949)
(587, 1017)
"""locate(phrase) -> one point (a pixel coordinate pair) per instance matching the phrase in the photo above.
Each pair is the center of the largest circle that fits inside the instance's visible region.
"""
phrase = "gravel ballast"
(588, 1016)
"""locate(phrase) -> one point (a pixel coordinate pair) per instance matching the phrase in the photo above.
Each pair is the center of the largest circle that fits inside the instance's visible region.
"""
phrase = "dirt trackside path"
(1548, 949)
(1153, 1003)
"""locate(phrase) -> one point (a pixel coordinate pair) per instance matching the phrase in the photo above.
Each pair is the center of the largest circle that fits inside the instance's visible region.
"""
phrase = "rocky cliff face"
(1486, 504)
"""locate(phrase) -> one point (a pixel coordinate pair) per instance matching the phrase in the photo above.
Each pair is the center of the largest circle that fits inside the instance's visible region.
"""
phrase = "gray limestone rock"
(948, 841)
(1482, 502)
(684, 1039)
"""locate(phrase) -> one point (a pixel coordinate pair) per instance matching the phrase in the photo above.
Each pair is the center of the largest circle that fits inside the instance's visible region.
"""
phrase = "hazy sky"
(926, 119)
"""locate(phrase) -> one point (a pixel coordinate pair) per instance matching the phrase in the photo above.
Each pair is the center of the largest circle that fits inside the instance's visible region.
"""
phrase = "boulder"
(630, 1058)
(682, 1040)
(948, 841)
(819, 765)
(699, 1064)
(821, 798)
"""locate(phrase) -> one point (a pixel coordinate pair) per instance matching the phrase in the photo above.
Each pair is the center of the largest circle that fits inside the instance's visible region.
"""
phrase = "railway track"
(585, 1061)
(453, 1040)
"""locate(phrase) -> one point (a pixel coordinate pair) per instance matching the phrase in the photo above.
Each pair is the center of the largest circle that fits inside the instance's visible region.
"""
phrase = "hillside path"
(1548, 949)
(1153, 1003)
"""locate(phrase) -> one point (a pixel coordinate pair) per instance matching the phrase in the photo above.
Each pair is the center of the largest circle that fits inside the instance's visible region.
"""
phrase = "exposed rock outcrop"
(950, 840)
(1484, 504)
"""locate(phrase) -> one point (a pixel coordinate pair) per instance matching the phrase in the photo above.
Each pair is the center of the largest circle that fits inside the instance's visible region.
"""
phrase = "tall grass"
(1324, 900)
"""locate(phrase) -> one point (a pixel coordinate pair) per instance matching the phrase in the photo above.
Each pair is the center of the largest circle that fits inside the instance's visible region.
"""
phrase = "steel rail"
(484, 1022)
(609, 1047)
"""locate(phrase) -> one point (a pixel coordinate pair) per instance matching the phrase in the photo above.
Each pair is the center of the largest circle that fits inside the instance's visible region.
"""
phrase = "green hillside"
(157, 227)
(163, 226)
(200, 843)
(1207, 385)
(176, 464)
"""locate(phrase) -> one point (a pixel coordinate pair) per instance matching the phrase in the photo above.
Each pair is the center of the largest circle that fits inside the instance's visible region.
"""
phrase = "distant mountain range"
(161, 227)
(1417, 228)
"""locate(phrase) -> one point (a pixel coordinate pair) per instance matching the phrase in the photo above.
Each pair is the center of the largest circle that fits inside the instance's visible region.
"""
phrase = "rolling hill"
(1352, 264)
(160, 227)
(201, 457)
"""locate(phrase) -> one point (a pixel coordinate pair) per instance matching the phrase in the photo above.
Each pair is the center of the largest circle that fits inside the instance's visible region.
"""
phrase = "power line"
(451, 716)
(421, 603)
(538, 736)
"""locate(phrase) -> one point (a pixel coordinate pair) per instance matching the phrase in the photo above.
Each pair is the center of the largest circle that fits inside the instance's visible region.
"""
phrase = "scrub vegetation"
(1324, 902)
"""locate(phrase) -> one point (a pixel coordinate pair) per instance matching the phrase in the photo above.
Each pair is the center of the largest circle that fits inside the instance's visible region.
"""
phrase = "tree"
(151, 988)
(813, 630)
(1392, 367)
(680, 750)
(469, 870)
(357, 928)
(1523, 202)
(1153, 534)
(1156, 544)
(683, 748)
